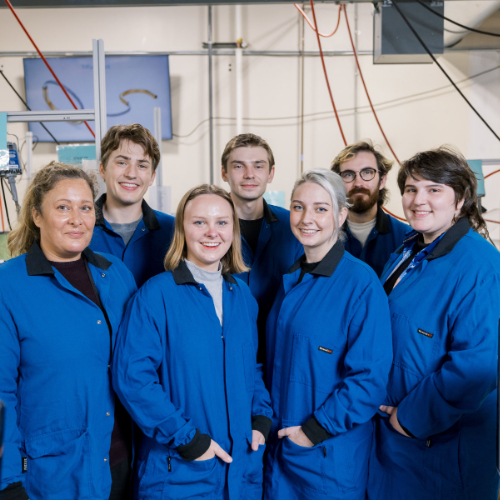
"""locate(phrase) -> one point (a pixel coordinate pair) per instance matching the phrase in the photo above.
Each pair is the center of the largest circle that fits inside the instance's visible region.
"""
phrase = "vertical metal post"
(239, 72)
(29, 154)
(210, 95)
(356, 75)
(302, 83)
(99, 95)
(157, 134)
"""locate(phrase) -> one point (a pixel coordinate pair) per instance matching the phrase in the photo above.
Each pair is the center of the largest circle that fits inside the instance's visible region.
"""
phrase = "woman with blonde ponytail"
(60, 307)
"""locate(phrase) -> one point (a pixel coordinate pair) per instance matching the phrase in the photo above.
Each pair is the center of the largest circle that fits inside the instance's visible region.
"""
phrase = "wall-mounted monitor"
(134, 86)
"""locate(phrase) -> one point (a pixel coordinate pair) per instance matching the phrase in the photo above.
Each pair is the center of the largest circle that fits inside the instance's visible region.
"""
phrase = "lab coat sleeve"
(261, 403)
(137, 357)
(10, 355)
(469, 373)
(367, 363)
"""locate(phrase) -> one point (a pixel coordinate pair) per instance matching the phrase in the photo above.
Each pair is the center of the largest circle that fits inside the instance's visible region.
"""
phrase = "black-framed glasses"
(367, 174)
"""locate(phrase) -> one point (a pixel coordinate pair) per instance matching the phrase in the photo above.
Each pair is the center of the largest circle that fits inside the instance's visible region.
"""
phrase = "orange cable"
(364, 85)
(326, 74)
(44, 60)
(490, 174)
(304, 15)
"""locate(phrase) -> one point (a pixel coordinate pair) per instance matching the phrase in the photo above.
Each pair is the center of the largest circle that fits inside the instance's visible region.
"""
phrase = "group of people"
(244, 351)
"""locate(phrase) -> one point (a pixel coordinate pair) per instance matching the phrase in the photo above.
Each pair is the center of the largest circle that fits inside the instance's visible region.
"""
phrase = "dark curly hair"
(445, 165)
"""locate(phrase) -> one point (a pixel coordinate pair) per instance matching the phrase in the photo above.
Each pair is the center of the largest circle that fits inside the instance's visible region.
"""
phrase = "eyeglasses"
(367, 174)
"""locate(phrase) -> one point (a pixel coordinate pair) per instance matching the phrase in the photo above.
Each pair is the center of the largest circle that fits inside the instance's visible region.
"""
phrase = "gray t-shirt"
(127, 230)
(213, 283)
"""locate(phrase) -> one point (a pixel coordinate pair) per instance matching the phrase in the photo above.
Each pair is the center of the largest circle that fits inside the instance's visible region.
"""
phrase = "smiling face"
(208, 229)
(66, 221)
(248, 172)
(429, 207)
(312, 220)
(363, 194)
(128, 174)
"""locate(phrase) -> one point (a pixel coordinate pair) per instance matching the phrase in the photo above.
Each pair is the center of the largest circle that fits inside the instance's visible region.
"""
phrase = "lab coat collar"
(269, 215)
(37, 264)
(329, 263)
(450, 239)
(148, 214)
(382, 223)
(182, 275)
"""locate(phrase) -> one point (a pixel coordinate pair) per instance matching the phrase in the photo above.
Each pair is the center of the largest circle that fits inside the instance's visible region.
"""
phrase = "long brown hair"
(446, 165)
(26, 232)
(232, 262)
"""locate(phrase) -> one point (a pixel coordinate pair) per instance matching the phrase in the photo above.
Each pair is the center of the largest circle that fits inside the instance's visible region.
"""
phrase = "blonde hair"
(26, 233)
(232, 262)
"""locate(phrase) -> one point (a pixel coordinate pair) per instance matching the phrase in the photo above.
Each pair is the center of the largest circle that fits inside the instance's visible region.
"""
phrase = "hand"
(257, 439)
(296, 435)
(393, 419)
(387, 409)
(215, 450)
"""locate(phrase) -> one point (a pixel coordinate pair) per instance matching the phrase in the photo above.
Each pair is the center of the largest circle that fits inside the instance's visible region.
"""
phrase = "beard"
(359, 204)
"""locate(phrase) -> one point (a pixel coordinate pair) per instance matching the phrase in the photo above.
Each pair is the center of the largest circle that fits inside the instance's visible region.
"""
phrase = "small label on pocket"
(324, 349)
(25, 464)
(427, 334)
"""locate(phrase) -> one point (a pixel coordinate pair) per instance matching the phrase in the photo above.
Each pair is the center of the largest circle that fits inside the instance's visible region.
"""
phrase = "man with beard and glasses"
(372, 235)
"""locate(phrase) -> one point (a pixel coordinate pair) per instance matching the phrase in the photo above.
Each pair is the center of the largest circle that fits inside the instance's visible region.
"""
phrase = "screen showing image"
(134, 86)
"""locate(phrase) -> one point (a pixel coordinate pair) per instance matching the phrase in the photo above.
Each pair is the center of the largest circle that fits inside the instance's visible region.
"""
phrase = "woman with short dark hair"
(185, 363)
(60, 308)
(436, 436)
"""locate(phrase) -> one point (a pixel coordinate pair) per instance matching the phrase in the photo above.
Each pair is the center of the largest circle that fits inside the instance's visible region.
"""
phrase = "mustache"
(359, 190)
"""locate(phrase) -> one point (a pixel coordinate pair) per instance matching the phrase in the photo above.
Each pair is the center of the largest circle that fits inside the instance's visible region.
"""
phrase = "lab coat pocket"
(303, 467)
(59, 462)
(193, 480)
(415, 346)
(254, 463)
(249, 365)
(314, 362)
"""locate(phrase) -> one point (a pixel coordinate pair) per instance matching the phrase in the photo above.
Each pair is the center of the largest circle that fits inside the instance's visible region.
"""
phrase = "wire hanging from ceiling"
(304, 15)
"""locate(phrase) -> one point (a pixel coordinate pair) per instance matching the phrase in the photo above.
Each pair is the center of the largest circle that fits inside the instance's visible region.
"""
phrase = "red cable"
(393, 215)
(489, 175)
(326, 74)
(45, 60)
(304, 15)
(364, 85)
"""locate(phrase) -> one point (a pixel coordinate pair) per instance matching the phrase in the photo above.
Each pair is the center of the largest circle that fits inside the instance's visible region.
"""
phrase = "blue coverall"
(277, 250)
(177, 371)
(385, 238)
(329, 355)
(443, 379)
(146, 249)
(54, 375)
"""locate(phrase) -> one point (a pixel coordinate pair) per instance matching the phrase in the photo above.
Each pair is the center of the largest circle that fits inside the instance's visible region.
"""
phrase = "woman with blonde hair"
(60, 308)
(185, 363)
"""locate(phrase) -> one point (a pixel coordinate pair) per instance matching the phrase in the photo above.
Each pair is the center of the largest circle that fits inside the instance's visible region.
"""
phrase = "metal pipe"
(302, 80)
(101, 118)
(210, 95)
(158, 137)
(29, 154)
(356, 76)
(239, 72)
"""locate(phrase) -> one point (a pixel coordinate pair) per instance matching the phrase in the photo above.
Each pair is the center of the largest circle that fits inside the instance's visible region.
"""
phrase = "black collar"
(327, 266)
(182, 275)
(37, 264)
(382, 223)
(148, 214)
(450, 239)
(269, 215)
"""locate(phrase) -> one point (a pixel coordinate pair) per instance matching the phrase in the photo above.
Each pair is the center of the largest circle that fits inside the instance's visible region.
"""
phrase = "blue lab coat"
(177, 370)
(385, 238)
(277, 250)
(146, 249)
(329, 355)
(54, 375)
(443, 378)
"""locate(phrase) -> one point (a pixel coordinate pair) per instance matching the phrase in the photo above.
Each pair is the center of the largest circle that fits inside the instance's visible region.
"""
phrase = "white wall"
(272, 88)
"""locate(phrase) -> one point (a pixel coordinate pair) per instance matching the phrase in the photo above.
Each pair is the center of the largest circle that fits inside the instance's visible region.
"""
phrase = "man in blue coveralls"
(372, 235)
(269, 248)
(126, 226)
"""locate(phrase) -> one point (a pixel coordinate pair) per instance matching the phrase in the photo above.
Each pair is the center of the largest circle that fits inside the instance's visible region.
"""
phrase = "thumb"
(221, 453)
(287, 431)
